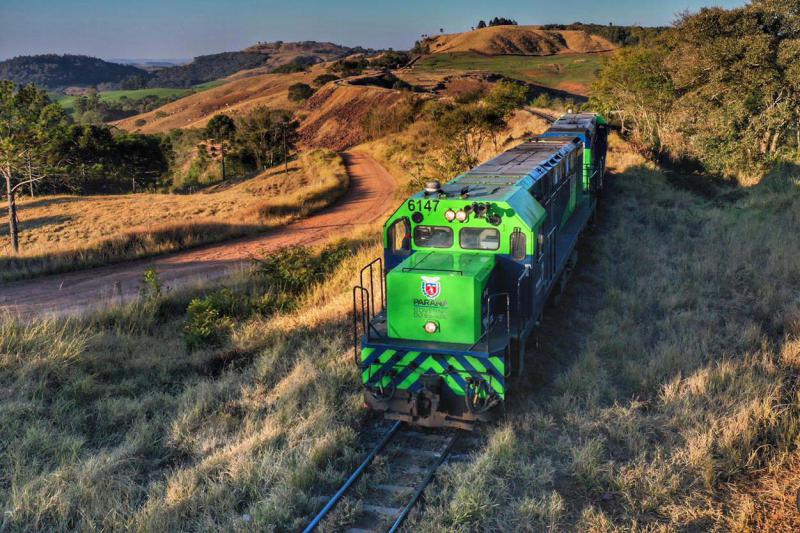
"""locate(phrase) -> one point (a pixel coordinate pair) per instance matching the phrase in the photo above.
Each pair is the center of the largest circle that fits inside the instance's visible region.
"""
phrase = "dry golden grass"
(164, 438)
(67, 232)
(239, 94)
(336, 111)
(519, 40)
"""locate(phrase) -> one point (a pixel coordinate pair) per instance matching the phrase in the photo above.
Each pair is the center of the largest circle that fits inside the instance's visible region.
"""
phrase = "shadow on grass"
(129, 246)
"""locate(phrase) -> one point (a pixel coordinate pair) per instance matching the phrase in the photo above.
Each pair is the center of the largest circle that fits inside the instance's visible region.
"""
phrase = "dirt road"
(370, 197)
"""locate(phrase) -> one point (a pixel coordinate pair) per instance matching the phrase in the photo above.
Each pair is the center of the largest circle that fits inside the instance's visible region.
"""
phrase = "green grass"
(68, 102)
(550, 71)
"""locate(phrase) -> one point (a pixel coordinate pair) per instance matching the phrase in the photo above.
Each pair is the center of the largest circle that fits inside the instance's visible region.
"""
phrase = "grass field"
(65, 232)
(68, 102)
(571, 73)
(662, 394)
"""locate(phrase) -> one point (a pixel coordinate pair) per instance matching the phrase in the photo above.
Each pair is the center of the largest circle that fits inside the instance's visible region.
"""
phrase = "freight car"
(442, 319)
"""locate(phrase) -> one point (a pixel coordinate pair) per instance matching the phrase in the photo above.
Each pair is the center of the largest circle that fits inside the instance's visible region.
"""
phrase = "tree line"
(92, 109)
(720, 91)
(55, 71)
(43, 150)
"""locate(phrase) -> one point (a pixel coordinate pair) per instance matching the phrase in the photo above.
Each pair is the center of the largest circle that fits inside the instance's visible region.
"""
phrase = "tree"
(391, 59)
(461, 132)
(287, 130)
(636, 89)
(221, 129)
(299, 92)
(29, 123)
(721, 90)
(267, 134)
(506, 96)
(502, 21)
(481, 24)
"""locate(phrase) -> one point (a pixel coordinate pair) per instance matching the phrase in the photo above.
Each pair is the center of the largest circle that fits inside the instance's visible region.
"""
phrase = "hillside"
(282, 53)
(54, 71)
(337, 110)
(238, 94)
(518, 40)
(206, 68)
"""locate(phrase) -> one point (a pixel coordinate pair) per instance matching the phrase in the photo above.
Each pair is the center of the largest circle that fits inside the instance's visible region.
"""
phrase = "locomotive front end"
(435, 349)
(437, 297)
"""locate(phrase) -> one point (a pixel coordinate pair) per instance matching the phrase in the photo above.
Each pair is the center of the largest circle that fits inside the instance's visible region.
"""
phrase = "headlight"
(461, 216)
(431, 327)
(450, 215)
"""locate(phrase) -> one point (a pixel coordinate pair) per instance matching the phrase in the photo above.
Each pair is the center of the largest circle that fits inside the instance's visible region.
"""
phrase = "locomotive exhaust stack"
(441, 321)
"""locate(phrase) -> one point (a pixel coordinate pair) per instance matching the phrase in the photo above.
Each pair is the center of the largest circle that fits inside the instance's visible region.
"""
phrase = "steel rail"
(353, 477)
(428, 478)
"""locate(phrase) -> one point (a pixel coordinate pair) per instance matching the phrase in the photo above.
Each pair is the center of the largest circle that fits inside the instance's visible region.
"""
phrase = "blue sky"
(185, 28)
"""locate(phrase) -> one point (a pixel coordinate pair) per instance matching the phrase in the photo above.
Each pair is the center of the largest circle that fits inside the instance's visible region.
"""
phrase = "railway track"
(384, 488)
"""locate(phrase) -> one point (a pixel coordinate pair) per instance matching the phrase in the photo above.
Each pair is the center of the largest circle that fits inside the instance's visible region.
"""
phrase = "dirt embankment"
(519, 40)
(336, 112)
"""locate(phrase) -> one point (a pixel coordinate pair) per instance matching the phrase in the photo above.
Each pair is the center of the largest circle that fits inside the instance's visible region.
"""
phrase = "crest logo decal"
(431, 288)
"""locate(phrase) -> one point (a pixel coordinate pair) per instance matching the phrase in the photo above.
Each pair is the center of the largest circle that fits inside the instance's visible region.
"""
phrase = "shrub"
(322, 79)
(140, 122)
(206, 324)
(151, 285)
(300, 91)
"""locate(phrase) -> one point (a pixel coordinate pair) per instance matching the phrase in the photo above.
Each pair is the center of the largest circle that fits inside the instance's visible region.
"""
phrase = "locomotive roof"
(518, 168)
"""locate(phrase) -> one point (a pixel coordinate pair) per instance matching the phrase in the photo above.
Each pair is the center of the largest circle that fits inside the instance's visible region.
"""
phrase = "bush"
(296, 269)
(206, 324)
(506, 96)
(380, 122)
(140, 122)
(350, 67)
(299, 92)
(391, 59)
(322, 79)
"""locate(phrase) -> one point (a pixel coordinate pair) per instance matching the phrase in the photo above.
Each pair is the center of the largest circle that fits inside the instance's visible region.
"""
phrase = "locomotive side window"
(518, 245)
(479, 238)
(400, 236)
(433, 236)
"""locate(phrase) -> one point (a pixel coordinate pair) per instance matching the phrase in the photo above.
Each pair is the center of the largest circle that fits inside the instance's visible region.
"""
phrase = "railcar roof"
(575, 122)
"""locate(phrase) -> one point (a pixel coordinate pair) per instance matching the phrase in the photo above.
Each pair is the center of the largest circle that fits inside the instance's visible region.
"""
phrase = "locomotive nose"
(438, 296)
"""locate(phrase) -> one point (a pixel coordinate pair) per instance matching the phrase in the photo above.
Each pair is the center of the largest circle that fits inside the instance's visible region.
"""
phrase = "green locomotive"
(441, 321)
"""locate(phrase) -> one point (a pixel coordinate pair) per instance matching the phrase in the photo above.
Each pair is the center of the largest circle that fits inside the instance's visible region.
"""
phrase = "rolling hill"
(240, 93)
(53, 71)
(309, 52)
(518, 40)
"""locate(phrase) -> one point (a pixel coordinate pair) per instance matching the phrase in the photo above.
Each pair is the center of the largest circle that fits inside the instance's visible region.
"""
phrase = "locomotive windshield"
(433, 236)
(479, 238)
